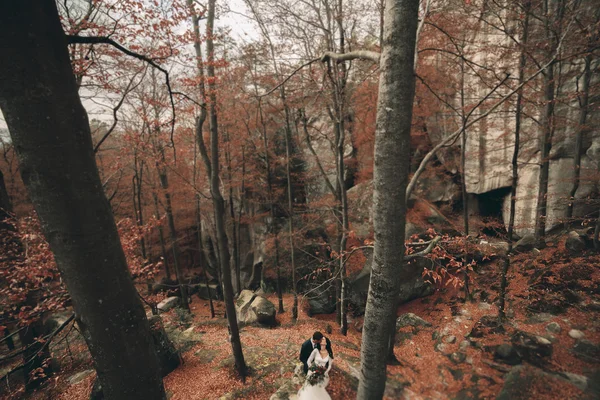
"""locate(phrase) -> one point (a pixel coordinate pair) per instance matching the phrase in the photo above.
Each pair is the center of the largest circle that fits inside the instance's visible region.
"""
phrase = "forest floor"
(551, 343)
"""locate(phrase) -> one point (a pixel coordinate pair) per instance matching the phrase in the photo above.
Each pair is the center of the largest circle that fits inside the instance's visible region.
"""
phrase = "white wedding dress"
(316, 392)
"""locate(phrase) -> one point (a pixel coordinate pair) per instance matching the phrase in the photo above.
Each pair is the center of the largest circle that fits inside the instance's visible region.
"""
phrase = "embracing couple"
(317, 358)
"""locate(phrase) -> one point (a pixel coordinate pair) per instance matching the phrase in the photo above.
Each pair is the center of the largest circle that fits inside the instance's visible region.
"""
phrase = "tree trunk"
(234, 228)
(545, 147)
(597, 233)
(238, 258)
(273, 227)
(345, 227)
(50, 130)
(212, 165)
(6, 209)
(173, 236)
(5, 204)
(392, 149)
(137, 199)
(339, 101)
(552, 22)
(465, 196)
(515, 166)
(288, 139)
(161, 238)
(581, 129)
(203, 261)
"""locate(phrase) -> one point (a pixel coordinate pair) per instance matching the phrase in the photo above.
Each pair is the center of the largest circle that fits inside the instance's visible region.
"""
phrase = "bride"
(317, 392)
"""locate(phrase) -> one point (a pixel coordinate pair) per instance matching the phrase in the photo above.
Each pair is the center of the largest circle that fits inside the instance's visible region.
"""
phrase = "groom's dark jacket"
(308, 347)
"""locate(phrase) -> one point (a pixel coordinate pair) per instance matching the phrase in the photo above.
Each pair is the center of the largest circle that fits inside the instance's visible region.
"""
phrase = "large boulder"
(422, 212)
(438, 188)
(527, 243)
(168, 304)
(164, 285)
(526, 382)
(321, 300)
(251, 308)
(532, 348)
(264, 310)
(411, 229)
(410, 319)
(212, 289)
(52, 322)
(575, 243)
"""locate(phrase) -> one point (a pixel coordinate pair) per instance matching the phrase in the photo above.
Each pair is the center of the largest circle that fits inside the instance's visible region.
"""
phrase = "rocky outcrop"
(526, 243)
(526, 382)
(321, 300)
(410, 319)
(252, 308)
(575, 243)
(168, 304)
(490, 144)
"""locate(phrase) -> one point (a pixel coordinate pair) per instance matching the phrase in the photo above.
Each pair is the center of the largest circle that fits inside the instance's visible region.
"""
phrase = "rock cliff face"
(490, 145)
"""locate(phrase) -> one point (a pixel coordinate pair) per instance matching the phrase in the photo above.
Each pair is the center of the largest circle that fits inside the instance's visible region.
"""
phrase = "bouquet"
(316, 374)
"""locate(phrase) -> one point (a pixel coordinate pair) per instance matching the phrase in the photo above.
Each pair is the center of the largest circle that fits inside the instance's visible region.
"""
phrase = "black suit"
(308, 347)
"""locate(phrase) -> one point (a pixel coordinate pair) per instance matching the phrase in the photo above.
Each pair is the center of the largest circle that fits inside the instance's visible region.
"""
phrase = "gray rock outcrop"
(252, 308)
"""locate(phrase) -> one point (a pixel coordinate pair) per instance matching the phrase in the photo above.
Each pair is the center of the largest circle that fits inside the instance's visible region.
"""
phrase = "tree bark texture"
(52, 138)
(392, 150)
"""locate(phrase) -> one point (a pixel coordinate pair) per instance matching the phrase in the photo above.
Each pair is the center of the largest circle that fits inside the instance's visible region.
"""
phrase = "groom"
(311, 344)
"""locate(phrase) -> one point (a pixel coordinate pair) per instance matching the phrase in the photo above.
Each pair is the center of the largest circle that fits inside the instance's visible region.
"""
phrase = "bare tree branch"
(73, 39)
(351, 55)
(427, 250)
(128, 90)
(289, 77)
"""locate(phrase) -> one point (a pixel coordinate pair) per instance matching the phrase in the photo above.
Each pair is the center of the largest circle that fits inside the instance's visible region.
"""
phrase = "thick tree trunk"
(5, 204)
(392, 149)
(7, 240)
(50, 130)
(5, 207)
